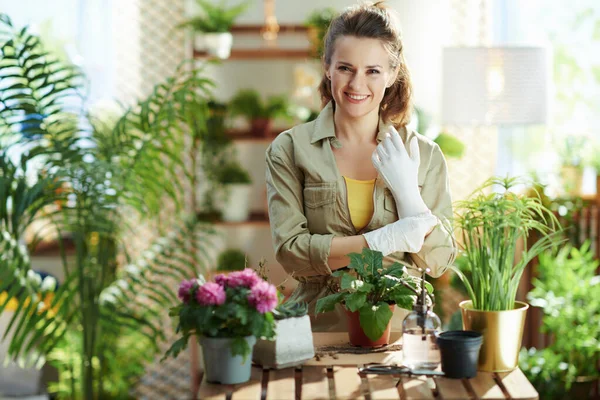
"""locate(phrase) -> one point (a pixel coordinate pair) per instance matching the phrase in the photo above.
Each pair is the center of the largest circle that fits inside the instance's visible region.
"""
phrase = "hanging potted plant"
(214, 26)
(492, 226)
(259, 113)
(237, 185)
(369, 294)
(228, 315)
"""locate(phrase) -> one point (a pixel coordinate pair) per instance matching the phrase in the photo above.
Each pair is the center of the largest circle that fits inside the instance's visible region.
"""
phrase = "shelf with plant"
(213, 26)
(260, 113)
(369, 292)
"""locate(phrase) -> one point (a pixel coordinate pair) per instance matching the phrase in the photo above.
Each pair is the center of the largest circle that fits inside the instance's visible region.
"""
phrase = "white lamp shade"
(495, 85)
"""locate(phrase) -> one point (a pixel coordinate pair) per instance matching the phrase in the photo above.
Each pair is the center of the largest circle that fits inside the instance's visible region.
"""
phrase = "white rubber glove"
(406, 234)
(400, 173)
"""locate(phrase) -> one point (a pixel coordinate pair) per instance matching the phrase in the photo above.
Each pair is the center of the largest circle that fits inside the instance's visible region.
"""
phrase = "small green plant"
(233, 173)
(492, 226)
(450, 145)
(216, 18)
(248, 103)
(568, 291)
(232, 260)
(370, 288)
(290, 309)
(318, 23)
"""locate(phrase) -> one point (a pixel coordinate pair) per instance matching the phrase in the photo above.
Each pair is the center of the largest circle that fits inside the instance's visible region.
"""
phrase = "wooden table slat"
(281, 384)
(314, 383)
(417, 388)
(383, 387)
(485, 386)
(250, 390)
(451, 389)
(212, 391)
(517, 385)
(347, 383)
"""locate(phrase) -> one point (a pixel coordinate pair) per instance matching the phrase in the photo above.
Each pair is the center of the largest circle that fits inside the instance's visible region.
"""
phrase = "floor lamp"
(506, 87)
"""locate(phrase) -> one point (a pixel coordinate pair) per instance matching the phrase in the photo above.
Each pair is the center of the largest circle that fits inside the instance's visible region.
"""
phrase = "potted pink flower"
(228, 315)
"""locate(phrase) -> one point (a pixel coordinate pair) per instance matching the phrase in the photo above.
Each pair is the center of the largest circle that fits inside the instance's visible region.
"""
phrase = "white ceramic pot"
(215, 44)
(236, 207)
(14, 380)
(293, 345)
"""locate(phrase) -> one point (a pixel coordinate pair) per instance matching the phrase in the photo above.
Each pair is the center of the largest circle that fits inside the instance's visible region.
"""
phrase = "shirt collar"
(325, 128)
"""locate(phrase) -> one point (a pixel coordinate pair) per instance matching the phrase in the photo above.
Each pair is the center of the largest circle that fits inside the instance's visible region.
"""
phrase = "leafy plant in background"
(370, 288)
(215, 18)
(318, 23)
(232, 260)
(232, 173)
(248, 103)
(491, 226)
(567, 289)
(450, 145)
(105, 177)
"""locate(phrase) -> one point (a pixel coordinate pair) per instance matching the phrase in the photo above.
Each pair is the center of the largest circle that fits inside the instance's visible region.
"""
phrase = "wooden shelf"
(256, 29)
(244, 135)
(261, 54)
(255, 219)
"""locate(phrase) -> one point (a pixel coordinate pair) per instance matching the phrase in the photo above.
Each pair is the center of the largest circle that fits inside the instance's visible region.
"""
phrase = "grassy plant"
(492, 226)
(215, 18)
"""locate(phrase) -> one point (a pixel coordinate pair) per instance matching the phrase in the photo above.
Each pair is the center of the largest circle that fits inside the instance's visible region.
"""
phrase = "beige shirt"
(308, 204)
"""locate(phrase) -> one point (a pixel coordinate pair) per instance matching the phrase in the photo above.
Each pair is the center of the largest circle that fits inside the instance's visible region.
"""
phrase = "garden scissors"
(382, 369)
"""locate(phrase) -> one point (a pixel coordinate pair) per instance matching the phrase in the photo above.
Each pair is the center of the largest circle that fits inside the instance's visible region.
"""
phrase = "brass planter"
(502, 334)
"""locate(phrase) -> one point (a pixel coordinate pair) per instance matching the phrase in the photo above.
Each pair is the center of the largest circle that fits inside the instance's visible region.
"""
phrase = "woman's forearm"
(340, 246)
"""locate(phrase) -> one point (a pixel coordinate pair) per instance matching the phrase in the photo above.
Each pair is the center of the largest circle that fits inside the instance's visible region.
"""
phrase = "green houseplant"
(260, 113)
(237, 185)
(215, 24)
(567, 289)
(229, 314)
(369, 293)
(491, 226)
(317, 23)
(93, 185)
(231, 260)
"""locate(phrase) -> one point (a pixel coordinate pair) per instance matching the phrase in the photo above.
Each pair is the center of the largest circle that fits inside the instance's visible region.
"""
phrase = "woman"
(355, 176)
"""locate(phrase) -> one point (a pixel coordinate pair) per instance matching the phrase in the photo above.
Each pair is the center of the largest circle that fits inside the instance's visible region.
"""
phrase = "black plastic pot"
(459, 351)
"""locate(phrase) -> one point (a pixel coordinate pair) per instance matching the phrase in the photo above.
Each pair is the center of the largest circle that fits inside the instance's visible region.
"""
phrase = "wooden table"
(337, 377)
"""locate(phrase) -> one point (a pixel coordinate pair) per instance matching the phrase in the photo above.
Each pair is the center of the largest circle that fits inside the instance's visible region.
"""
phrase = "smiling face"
(359, 73)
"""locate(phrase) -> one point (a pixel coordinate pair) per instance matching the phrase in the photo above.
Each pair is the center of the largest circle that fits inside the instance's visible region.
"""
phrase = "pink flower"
(185, 290)
(221, 279)
(263, 296)
(210, 294)
(246, 278)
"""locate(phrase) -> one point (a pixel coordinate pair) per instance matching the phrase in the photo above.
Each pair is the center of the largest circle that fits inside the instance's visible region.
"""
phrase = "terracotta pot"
(358, 336)
(261, 127)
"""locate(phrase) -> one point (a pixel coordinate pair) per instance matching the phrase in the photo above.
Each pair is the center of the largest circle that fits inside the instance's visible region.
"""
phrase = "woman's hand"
(400, 171)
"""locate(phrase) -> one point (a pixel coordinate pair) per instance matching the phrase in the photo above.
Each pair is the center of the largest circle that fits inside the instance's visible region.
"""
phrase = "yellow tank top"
(360, 201)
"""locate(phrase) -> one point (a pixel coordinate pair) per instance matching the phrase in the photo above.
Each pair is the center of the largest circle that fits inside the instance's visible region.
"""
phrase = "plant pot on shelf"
(261, 127)
(357, 334)
(459, 352)
(293, 344)
(572, 179)
(220, 366)
(216, 44)
(236, 207)
(502, 334)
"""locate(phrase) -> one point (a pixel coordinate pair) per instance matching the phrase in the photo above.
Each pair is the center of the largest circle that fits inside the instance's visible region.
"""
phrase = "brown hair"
(373, 21)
